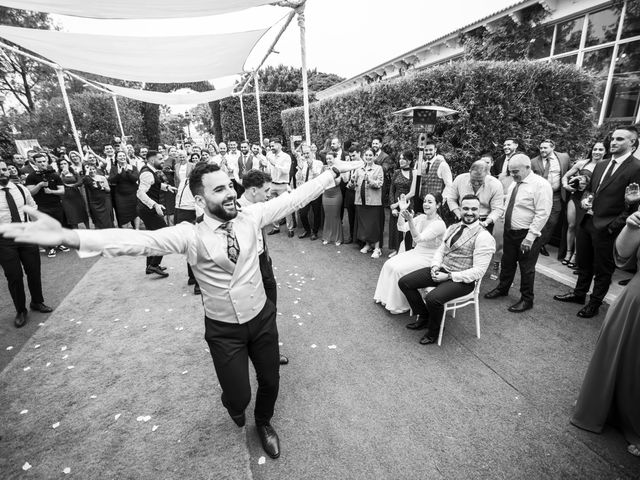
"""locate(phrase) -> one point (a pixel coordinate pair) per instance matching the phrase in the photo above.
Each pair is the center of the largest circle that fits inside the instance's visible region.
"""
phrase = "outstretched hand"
(42, 230)
(345, 167)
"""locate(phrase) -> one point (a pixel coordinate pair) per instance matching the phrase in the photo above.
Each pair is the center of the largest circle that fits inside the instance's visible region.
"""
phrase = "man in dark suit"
(552, 166)
(599, 225)
(388, 167)
(509, 147)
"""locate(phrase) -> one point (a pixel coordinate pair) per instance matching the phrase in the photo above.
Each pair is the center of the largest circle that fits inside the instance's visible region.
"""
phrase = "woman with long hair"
(400, 185)
(124, 181)
(427, 230)
(99, 197)
(75, 211)
(574, 181)
(332, 207)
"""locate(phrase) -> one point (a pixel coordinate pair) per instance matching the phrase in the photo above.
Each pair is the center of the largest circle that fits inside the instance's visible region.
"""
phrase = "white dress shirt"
(532, 205)
(280, 166)
(314, 171)
(619, 161)
(18, 198)
(484, 248)
(491, 195)
(146, 180)
(443, 173)
(555, 174)
(232, 293)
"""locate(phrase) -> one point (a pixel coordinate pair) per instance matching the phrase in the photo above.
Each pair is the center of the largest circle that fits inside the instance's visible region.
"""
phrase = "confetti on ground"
(23, 412)
(26, 369)
(300, 323)
(70, 367)
(170, 310)
(93, 396)
(48, 364)
(37, 346)
(26, 466)
(66, 471)
(90, 330)
(79, 323)
(295, 302)
(313, 345)
(116, 319)
(65, 357)
(313, 278)
(147, 310)
(185, 372)
(144, 326)
(126, 326)
(144, 418)
(302, 251)
(332, 347)
(261, 461)
(41, 324)
(154, 428)
(72, 320)
(279, 313)
(295, 316)
(280, 343)
(308, 313)
(62, 349)
(9, 347)
(55, 425)
(117, 416)
(184, 294)
(297, 289)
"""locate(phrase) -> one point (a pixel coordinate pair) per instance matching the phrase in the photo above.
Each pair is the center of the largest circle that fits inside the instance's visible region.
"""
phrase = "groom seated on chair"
(461, 260)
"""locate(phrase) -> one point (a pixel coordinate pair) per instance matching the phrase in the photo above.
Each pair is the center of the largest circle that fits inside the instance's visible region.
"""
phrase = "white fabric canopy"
(162, 98)
(172, 59)
(134, 8)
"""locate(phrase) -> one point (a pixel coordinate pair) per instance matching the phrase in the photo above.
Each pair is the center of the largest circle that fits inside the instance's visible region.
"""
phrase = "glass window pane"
(631, 25)
(625, 89)
(540, 46)
(603, 26)
(571, 59)
(598, 61)
(568, 35)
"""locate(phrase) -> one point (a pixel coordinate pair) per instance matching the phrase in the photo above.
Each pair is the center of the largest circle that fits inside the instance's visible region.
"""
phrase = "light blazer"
(537, 166)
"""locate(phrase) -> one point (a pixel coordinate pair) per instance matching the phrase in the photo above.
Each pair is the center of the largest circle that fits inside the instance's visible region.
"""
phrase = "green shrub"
(527, 100)
(271, 104)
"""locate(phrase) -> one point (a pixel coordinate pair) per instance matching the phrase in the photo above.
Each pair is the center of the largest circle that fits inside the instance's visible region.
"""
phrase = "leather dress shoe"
(521, 306)
(269, 439)
(156, 270)
(495, 293)
(543, 251)
(419, 324)
(239, 419)
(591, 309)
(191, 281)
(40, 307)
(196, 289)
(21, 319)
(162, 268)
(291, 233)
(348, 242)
(283, 360)
(304, 235)
(314, 236)
(570, 298)
(428, 339)
(274, 231)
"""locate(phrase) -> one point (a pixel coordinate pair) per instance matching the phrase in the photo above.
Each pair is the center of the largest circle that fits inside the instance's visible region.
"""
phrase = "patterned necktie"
(233, 248)
(457, 235)
(13, 208)
(509, 211)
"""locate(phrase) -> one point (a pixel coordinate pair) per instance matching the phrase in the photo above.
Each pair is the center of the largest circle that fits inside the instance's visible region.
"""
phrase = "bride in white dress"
(428, 231)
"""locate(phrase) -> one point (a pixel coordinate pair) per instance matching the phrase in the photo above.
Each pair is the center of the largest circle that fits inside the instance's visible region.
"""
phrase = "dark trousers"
(595, 260)
(432, 307)
(231, 346)
(181, 215)
(152, 221)
(512, 257)
(350, 205)
(13, 258)
(268, 278)
(316, 207)
(554, 217)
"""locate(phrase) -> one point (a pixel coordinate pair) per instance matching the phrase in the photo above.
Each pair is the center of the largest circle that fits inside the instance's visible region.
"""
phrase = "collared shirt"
(532, 205)
(231, 293)
(315, 171)
(184, 197)
(444, 170)
(244, 202)
(484, 248)
(5, 214)
(619, 161)
(555, 173)
(146, 180)
(490, 194)
(280, 167)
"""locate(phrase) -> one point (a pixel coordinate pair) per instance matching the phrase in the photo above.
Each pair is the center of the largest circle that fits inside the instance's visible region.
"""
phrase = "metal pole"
(65, 99)
(244, 124)
(256, 79)
(115, 102)
(305, 84)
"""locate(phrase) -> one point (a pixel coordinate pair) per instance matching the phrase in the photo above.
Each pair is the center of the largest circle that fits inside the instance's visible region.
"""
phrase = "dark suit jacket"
(609, 210)
(537, 166)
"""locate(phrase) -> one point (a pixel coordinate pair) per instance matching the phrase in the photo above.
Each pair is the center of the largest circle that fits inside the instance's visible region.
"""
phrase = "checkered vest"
(459, 257)
(431, 183)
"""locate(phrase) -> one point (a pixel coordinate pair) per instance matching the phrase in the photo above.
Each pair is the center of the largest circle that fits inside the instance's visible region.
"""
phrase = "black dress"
(125, 187)
(75, 211)
(99, 203)
(400, 185)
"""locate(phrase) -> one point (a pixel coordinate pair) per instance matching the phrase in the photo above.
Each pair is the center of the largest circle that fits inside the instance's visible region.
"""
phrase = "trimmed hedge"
(527, 100)
(271, 104)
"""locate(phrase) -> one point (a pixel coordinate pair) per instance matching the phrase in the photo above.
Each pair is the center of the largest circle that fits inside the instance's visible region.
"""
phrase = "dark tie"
(306, 178)
(13, 208)
(426, 170)
(547, 164)
(509, 211)
(233, 248)
(607, 175)
(457, 235)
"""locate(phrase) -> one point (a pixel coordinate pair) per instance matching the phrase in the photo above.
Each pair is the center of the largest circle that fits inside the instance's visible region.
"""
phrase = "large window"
(625, 88)
(540, 46)
(602, 27)
(568, 36)
(631, 25)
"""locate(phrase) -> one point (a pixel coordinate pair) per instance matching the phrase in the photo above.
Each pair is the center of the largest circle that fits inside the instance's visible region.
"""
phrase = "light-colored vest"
(459, 257)
(431, 183)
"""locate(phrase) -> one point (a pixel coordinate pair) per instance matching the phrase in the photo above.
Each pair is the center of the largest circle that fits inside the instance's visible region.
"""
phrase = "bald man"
(528, 205)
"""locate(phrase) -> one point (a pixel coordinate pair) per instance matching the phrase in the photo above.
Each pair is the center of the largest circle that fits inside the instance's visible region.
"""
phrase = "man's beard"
(468, 220)
(4, 181)
(218, 210)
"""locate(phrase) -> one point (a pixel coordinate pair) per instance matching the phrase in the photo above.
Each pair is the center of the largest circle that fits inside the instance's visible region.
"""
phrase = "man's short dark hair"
(38, 155)
(376, 138)
(513, 139)
(195, 177)
(486, 154)
(549, 141)
(151, 153)
(255, 178)
(431, 142)
(276, 140)
(330, 153)
(469, 196)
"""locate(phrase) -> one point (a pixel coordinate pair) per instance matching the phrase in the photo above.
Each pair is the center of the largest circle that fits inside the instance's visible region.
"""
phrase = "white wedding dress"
(431, 233)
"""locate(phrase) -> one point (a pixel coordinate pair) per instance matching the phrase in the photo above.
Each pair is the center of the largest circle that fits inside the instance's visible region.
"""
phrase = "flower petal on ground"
(26, 466)
(261, 460)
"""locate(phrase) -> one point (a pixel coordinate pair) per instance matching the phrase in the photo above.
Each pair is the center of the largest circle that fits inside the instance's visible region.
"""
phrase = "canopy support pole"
(115, 102)
(256, 79)
(244, 124)
(305, 83)
(65, 99)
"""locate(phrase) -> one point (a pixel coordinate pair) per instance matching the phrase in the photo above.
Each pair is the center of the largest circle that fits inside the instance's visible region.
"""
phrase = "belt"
(520, 230)
(280, 183)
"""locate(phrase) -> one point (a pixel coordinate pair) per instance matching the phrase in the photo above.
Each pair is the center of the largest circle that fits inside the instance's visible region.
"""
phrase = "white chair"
(464, 301)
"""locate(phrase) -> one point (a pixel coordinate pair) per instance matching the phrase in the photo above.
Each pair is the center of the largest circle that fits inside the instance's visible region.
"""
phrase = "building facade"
(600, 36)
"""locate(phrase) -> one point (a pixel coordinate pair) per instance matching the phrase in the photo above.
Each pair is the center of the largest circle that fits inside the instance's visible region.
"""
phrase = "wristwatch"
(336, 171)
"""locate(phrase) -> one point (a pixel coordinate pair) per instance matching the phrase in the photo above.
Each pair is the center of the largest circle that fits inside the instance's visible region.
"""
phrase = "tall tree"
(289, 79)
(21, 77)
